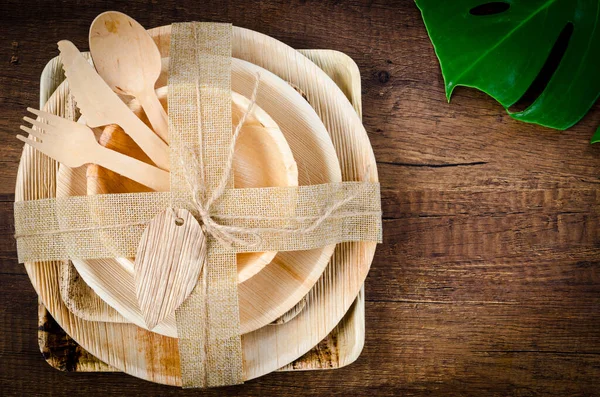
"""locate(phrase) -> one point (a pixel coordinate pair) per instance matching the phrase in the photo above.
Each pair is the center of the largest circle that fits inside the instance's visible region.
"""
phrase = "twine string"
(226, 235)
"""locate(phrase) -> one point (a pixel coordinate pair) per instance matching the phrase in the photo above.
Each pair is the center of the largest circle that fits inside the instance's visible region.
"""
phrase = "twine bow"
(228, 235)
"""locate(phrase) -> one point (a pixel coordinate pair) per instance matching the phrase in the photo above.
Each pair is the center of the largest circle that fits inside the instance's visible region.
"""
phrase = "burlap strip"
(199, 98)
(42, 226)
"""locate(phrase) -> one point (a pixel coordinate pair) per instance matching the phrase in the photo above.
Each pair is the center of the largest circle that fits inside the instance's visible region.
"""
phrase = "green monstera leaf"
(500, 47)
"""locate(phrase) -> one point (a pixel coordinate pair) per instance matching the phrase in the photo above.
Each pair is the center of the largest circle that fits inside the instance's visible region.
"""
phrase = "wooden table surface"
(488, 281)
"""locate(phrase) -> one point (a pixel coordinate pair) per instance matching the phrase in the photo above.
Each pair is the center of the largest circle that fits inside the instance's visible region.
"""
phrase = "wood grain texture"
(61, 351)
(487, 282)
(167, 266)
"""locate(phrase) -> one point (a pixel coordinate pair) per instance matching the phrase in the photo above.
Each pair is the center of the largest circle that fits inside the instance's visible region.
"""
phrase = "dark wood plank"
(487, 282)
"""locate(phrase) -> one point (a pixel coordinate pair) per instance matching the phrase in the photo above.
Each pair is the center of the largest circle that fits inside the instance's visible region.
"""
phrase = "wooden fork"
(74, 144)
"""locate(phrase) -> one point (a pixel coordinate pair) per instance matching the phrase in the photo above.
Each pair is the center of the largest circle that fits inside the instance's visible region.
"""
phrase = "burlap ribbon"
(283, 219)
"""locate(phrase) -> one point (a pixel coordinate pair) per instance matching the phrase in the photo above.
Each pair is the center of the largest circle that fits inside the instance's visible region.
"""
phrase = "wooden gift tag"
(169, 258)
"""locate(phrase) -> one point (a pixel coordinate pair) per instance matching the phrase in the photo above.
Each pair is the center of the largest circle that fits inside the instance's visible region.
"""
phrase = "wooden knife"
(101, 106)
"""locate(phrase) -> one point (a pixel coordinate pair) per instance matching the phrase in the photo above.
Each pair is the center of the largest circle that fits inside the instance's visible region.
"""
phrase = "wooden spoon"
(128, 60)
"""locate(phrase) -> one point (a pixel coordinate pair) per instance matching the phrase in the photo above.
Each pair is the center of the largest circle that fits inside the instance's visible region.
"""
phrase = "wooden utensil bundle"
(346, 269)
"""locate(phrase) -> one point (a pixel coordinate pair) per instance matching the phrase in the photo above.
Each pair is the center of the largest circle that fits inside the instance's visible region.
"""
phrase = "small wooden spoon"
(128, 60)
